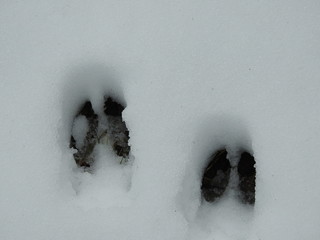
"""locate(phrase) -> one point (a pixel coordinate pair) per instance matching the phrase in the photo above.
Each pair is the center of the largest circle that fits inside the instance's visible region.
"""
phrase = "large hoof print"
(216, 176)
(87, 132)
(247, 178)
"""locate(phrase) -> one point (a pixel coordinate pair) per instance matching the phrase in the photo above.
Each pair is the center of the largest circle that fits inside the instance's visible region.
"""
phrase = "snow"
(194, 76)
(79, 130)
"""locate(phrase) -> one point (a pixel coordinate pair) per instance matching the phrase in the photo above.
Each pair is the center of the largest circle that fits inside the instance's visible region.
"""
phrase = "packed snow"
(194, 76)
(79, 130)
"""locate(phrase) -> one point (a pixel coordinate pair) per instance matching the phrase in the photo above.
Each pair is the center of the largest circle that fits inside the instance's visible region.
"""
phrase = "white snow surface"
(194, 76)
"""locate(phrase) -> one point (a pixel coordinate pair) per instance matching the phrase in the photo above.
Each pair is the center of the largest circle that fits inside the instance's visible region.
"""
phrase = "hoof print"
(84, 135)
(247, 178)
(87, 132)
(216, 176)
(117, 131)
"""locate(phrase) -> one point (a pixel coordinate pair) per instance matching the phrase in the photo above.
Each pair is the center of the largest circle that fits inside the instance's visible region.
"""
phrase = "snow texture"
(195, 76)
